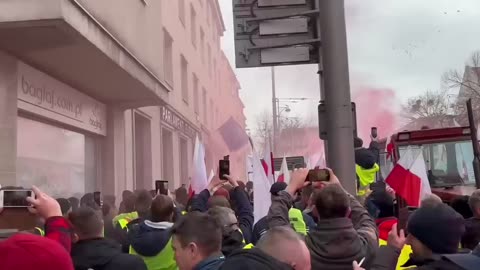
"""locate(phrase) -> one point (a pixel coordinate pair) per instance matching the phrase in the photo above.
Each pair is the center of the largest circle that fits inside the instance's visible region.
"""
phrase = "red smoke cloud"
(376, 107)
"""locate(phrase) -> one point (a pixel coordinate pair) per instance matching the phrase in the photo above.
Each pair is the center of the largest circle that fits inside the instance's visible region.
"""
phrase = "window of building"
(214, 68)
(202, 45)
(143, 152)
(181, 11)
(59, 161)
(168, 57)
(207, 10)
(212, 120)
(167, 154)
(195, 94)
(193, 21)
(204, 105)
(209, 59)
(183, 161)
(184, 70)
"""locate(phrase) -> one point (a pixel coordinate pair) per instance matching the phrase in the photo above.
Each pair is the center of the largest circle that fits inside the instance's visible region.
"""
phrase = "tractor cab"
(448, 155)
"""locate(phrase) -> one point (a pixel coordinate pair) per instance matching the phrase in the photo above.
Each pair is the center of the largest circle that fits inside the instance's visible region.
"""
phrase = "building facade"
(97, 96)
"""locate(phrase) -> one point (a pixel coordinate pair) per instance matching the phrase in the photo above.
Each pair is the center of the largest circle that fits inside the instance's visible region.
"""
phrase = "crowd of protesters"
(310, 225)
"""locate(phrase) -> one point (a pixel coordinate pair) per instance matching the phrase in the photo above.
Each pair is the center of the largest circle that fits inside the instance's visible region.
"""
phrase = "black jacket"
(253, 259)
(244, 210)
(103, 254)
(334, 243)
(471, 237)
(387, 257)
(213, 263)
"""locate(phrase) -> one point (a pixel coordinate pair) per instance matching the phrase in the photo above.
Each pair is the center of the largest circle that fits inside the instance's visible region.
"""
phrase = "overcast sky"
(400, 46)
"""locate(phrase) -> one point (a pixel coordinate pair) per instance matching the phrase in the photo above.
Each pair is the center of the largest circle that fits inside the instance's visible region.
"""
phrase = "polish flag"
(267, 163)
(409, 177)
(261, 188)
(284, 172)
(199, 178)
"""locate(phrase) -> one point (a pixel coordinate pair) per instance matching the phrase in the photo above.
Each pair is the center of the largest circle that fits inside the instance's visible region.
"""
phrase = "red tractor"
(451, 157)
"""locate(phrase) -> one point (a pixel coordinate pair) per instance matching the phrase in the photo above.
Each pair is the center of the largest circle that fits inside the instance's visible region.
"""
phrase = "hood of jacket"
(94, 253)
(253, 259)
(334, 242)
(149, 238)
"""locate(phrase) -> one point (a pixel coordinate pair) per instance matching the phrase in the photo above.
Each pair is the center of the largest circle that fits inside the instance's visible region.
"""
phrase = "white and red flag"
(409, 177)
(261, 188)
(267, 163)
(284, 172)
(199, 177)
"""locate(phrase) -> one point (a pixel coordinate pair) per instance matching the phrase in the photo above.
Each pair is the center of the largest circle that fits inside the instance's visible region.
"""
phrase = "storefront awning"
(65, 41)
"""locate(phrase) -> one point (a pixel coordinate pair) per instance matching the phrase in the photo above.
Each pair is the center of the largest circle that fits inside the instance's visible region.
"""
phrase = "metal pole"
(476, 148)
(337, 92)
(274, 109)
(321, 82)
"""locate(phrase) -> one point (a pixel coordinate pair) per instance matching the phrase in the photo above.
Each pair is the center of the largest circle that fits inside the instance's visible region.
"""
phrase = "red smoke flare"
(376, 108)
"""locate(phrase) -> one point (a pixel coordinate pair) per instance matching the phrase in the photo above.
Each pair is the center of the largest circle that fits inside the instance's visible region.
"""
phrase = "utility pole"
(337, 91)
(274, 110)
(320, 73)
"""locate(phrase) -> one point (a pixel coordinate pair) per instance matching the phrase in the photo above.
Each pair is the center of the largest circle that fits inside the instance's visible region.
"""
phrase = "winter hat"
(439, 227)
(26, 252)
(277, 187)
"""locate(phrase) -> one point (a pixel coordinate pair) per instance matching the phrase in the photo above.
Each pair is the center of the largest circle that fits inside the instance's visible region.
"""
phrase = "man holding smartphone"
(345, 231)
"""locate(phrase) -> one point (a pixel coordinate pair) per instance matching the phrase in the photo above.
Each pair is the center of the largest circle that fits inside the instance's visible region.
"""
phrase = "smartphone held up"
(318, 175)
(224, 168)
(15, 198)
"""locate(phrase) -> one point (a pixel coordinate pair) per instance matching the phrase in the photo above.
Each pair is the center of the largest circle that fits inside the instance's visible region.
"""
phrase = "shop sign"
(177, 122)
(41, 94)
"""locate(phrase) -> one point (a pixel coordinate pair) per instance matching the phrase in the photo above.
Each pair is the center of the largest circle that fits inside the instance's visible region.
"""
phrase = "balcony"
(63, 39)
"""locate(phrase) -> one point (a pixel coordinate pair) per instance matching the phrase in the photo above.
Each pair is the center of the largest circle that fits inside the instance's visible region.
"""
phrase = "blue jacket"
(212, 263)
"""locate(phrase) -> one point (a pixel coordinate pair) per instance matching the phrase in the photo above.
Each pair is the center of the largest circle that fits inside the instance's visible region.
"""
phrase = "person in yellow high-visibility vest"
(150, 238)
(366, 168)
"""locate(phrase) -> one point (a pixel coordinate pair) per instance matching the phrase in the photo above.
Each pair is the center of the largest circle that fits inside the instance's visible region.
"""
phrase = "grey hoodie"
(335, 243)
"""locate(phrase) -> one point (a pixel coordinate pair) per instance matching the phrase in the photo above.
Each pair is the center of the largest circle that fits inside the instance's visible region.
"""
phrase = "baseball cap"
(469, 261)
(277, 187)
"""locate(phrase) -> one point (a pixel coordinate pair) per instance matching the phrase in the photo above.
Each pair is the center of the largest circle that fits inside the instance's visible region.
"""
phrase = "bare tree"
(287, 127)
(430, 106)
(468, 84)
(263, 132)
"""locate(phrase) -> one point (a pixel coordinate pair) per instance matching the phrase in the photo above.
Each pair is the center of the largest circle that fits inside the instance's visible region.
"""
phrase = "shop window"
(59, 161)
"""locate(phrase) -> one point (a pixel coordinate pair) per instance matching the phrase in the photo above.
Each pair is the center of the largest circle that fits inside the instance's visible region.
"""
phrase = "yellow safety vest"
(40, 231)
(123, 223)
(128, 216)
(404, 255)
(366, 177)
(249, 246)
(165, 260)
(296, 220)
